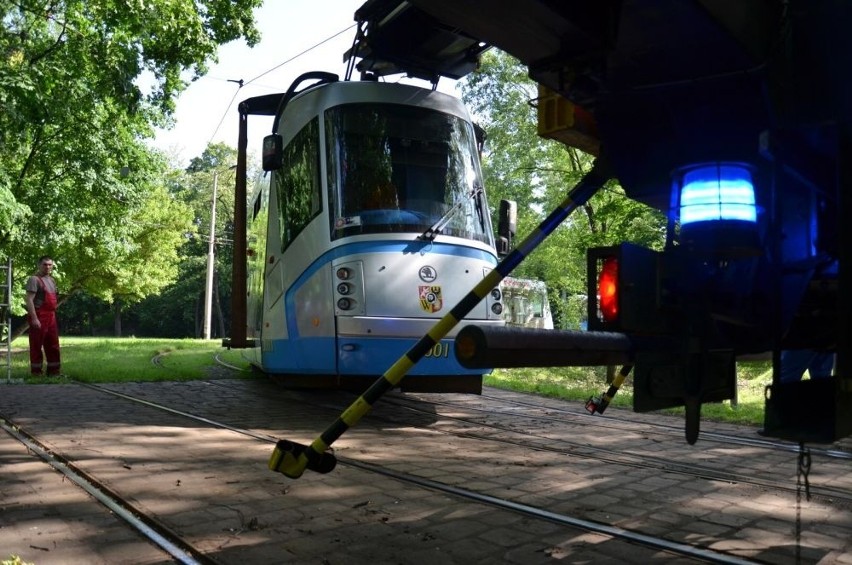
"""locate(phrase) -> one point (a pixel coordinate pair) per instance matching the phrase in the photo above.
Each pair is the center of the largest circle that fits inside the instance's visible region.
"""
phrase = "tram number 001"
(439, 350)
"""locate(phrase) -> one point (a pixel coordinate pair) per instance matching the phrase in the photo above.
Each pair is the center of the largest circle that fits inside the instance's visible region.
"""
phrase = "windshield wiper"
(432, 231)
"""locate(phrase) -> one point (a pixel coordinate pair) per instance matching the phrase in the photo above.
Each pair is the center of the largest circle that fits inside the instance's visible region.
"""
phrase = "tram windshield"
(395, 168)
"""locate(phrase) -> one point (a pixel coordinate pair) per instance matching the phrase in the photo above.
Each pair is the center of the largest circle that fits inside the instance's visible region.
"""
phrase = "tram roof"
(266, 105)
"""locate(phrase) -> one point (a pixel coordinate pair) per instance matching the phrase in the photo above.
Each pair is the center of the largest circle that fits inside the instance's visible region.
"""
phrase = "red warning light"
(608, 290)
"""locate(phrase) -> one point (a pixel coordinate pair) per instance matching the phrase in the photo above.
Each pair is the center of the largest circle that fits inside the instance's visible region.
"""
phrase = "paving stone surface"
(212, 486)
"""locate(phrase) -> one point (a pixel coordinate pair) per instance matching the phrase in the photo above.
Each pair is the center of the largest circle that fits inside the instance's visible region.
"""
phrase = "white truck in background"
(525, 303)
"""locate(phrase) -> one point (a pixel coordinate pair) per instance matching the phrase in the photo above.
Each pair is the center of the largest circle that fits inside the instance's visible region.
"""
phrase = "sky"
(207, 110)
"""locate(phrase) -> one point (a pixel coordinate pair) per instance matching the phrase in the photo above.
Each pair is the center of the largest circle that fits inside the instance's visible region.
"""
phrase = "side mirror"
(273, 152)
(480, 134)
(506, 226)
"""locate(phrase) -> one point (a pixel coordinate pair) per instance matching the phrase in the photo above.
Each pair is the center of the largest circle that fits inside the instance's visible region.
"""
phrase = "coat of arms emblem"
(430, 298)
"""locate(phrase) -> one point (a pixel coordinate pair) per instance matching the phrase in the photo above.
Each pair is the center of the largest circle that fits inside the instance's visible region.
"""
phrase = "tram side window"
(297, 184)
(256, 265)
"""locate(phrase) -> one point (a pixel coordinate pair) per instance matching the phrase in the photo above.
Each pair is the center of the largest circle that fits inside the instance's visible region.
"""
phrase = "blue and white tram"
(373, 226)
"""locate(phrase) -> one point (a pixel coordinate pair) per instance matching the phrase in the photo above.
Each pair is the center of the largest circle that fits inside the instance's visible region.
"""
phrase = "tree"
(216, 163)
(176, 310)
(537, 173)
(498, 95)
(79, 179)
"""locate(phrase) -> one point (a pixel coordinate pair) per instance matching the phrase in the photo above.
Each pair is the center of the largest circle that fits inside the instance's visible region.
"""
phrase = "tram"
(526, 304)
(373, 225)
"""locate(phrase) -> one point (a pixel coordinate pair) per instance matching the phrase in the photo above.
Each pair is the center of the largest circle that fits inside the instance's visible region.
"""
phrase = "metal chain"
(804, 467)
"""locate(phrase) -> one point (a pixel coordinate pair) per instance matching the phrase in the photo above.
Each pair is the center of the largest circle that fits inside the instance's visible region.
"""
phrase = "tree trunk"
(116, 317)
(199, 321)
(218, 299)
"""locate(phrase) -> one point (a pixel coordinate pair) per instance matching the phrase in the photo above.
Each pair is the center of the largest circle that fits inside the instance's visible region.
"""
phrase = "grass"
(581, 383)
(99, 360)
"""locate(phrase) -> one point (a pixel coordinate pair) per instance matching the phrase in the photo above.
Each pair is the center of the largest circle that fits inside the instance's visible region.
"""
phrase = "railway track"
(479, 446)
(480, 407)
(185, 552)
(144, 524)
(778, 478)
(477, 411)
(478, 416)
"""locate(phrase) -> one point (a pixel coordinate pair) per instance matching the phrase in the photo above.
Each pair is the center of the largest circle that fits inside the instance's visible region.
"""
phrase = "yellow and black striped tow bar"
(291, 458)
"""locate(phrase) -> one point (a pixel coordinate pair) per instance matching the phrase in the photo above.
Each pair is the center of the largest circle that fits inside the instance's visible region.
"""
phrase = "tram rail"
(476, 445)
(685, 550)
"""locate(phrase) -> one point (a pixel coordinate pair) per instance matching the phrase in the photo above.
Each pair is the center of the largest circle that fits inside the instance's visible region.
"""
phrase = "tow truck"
(732, 117)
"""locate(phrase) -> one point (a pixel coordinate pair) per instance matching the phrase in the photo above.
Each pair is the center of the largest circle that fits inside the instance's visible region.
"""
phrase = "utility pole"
(208, 296)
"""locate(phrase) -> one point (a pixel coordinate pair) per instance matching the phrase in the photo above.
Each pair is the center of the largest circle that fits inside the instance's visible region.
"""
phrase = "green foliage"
(77, 180)
(134, 258)
(83, 314)
(538, 173)
(175, 308)
(15, 560)
(176, 312)
(216, 164)
(515, 157)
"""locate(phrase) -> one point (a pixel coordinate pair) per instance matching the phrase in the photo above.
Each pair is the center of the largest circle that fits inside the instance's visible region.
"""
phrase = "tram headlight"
(344, 303)
(497, 308)
(344, 288)
(496, 294)
(344, 273)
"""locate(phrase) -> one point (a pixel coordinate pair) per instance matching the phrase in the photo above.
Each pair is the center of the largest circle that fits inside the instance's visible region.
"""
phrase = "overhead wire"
(294, 57)
(242, 83)
(222, 119)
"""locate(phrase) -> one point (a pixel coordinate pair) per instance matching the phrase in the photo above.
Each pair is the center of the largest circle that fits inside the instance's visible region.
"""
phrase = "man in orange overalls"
(41, 307)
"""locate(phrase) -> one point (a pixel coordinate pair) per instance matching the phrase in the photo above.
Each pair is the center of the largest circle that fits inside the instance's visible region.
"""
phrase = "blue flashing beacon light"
(717, 192)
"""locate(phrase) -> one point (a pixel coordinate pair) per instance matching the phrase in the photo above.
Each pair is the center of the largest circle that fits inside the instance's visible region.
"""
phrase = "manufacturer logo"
(428, 274)
(430, 298)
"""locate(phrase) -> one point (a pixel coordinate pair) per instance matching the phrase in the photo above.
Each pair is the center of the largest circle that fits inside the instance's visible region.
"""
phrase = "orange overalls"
(47, 336)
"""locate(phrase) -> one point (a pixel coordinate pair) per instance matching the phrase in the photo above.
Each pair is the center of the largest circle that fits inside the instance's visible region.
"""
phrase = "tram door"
(298, 331)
